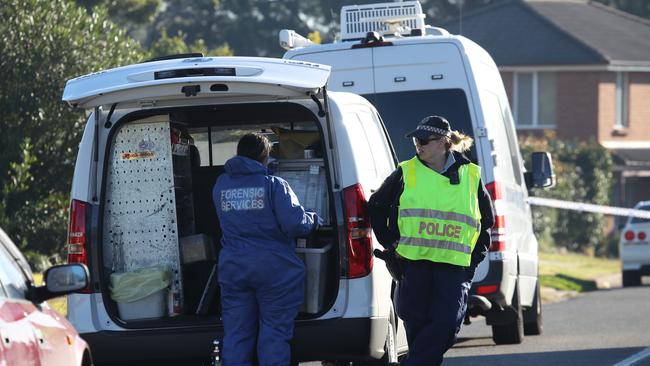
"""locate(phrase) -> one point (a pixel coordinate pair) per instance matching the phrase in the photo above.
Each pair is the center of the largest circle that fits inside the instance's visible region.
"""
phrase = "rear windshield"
(401, 112)
(637, 220)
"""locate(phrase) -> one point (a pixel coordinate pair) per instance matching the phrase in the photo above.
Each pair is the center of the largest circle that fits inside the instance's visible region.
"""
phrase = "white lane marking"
(634, 358)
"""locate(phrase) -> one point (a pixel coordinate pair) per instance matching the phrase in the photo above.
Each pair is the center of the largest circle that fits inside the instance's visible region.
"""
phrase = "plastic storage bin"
(140, 294)
(150, 307)
(316, 266)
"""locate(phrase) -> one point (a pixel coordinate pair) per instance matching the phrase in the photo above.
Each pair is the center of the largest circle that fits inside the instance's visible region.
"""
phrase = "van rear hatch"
(232, 77)
(160, 162)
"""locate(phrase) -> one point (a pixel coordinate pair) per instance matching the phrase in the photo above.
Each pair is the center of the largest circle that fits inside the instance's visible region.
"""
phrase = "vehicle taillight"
(488, 289)
(641, 235)
(494, 189)
(77, 240)
(498, 232)
(629, 235)
(359, 232)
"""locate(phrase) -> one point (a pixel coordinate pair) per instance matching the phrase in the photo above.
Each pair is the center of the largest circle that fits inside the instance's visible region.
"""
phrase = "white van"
(156, 139)
(409, 70)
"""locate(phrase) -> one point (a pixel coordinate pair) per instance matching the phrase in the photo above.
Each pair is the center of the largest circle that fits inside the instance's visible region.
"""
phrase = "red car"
(32, 333)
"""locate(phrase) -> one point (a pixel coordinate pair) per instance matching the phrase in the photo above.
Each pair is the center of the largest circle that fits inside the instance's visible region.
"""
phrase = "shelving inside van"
(158, 209)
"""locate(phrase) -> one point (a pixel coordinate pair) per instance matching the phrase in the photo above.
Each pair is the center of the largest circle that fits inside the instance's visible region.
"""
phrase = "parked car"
(32, 332)
(156, 140)
(634, 248)
(409, 70)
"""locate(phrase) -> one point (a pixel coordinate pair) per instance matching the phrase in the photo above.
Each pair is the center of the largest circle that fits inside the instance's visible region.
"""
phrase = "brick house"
(576, 67)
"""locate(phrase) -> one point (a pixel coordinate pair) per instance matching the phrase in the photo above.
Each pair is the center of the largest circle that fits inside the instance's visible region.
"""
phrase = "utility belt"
(397, 264)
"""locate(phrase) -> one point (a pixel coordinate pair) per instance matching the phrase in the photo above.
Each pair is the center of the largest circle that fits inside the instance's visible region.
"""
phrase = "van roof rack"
(395, 19)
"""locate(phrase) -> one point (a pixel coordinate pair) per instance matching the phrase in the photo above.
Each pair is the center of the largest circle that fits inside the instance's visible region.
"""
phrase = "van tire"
(533, 316)
(513, 332)
(631, 278)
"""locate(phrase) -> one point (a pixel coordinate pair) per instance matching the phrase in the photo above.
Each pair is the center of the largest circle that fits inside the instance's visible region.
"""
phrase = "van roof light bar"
(397, 18)
(289, 40)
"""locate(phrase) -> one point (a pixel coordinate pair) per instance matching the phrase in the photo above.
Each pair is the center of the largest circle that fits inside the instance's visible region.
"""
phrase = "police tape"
(588, 207)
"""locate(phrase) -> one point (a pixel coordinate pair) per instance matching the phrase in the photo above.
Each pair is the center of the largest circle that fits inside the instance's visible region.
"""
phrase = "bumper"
(644, 269)
(356, 338)
(503, 274)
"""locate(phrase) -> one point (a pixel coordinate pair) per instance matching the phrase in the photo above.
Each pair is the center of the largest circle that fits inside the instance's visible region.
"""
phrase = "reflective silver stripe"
(435, 214)
(432, 243)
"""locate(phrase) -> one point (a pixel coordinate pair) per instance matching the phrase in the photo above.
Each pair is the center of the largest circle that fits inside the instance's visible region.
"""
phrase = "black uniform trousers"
(431, 299)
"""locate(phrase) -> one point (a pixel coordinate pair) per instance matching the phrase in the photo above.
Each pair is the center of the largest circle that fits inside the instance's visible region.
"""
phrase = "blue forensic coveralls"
(260, 275)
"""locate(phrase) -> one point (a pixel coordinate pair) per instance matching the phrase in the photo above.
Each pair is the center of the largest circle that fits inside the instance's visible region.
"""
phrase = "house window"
(622, 100)
(534, 99)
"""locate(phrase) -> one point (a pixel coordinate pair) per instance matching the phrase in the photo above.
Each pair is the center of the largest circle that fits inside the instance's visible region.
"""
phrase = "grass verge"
(574, 272)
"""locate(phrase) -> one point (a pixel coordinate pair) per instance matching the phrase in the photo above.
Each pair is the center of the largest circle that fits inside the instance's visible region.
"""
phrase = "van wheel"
(533, 315)
(631, 278)
(513, 332)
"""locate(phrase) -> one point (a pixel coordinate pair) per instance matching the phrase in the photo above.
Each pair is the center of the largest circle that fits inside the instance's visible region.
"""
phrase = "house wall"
(607, 107)
(638, 109)
(639, 105)
(577, 112)
(586, 106)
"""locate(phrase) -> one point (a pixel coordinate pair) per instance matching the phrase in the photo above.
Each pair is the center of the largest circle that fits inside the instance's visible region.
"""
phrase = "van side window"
(215, 146)
(513, 144)
(201, 141)
(361, 147)
(379, 146)
(402, 110)
(506, 153)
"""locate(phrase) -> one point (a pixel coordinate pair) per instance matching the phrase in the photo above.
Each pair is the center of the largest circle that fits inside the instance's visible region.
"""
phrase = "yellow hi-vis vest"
(438, 221)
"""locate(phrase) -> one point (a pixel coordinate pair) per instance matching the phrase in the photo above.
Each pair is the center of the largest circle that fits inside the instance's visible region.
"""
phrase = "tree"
(166, 45)
(43, 43)
(135, 16)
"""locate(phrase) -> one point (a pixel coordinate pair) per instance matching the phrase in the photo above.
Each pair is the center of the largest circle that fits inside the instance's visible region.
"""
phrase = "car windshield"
(638, 220)
(401, 111)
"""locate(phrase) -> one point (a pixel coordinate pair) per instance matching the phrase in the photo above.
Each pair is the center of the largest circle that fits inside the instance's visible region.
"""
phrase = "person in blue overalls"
(260, 275)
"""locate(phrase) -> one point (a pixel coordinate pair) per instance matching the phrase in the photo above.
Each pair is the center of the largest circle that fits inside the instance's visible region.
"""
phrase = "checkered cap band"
(435, 130)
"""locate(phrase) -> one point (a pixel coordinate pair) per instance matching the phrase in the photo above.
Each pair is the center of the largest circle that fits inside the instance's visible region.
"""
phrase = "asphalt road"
(598, 328)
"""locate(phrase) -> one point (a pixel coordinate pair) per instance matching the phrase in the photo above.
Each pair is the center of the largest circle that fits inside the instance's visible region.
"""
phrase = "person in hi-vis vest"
(435, 214)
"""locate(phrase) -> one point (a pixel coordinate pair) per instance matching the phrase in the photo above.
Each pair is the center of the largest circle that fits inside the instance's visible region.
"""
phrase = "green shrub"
(584, 174)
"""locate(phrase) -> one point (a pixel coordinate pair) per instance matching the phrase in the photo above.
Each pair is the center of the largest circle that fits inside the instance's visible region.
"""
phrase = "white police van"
(156, 139)
(409, 70)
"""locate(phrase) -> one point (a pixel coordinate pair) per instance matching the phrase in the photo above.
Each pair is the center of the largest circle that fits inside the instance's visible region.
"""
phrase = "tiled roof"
(557, 32)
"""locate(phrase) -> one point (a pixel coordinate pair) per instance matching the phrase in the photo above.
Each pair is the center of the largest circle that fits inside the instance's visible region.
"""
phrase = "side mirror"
(61, 280)
(542, 175)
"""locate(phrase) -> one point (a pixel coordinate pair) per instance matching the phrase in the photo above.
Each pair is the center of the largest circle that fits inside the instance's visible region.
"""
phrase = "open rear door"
(234, 78)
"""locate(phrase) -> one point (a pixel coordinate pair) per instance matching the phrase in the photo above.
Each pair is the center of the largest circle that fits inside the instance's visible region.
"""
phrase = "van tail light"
(77, 238)
(629, 235)
(641, 235)
(359, 232)
(498, 232)
(487, 289)
(495, 191)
